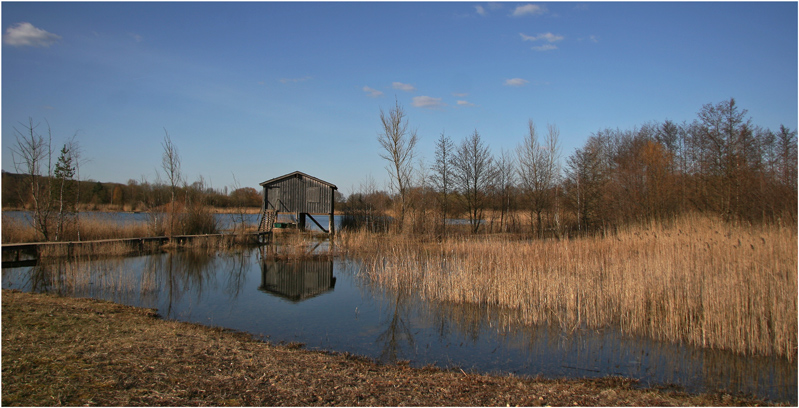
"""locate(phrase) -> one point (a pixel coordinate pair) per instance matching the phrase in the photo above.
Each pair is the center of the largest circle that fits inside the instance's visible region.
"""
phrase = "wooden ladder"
(268, 218)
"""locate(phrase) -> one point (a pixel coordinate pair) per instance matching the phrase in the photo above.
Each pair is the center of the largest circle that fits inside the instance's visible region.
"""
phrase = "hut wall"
(299, 195)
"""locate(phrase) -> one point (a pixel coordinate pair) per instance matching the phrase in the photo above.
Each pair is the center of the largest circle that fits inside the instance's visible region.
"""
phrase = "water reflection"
(325, 303)
(548, 350)
(397, 331)
(297, 280)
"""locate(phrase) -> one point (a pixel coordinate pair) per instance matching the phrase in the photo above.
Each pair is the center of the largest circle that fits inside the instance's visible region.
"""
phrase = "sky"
(251, 91)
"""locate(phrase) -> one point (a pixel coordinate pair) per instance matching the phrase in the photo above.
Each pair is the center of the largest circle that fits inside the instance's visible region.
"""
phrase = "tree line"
(48, 184)
(719, 163)
(135, 195)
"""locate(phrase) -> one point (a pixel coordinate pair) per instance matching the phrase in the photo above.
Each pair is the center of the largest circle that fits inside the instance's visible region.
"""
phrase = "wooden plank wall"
(299, 195)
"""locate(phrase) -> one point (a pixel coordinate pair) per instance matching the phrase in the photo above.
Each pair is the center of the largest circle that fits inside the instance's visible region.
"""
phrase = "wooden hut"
(300, 195)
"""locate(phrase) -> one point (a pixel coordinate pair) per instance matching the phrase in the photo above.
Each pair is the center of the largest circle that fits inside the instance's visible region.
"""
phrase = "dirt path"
(63, 351)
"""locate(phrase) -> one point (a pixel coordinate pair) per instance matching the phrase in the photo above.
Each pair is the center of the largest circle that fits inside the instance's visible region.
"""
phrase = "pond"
(325, 303)
(225, 222)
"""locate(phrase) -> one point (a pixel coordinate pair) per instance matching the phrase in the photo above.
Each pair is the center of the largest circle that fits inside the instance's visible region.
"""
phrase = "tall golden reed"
(15, 230)
(698, 280)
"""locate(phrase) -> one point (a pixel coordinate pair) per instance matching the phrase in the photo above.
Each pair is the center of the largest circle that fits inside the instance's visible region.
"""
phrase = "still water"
(225, 222)
(326, 304)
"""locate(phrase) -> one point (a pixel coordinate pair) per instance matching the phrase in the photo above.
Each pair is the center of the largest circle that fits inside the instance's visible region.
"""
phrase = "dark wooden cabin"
(300, 195)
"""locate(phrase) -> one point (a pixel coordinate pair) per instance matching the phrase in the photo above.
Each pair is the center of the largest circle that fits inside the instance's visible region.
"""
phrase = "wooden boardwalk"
(26, 254)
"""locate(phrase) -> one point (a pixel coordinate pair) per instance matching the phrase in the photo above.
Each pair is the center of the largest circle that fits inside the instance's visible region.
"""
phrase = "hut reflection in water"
(297, 280)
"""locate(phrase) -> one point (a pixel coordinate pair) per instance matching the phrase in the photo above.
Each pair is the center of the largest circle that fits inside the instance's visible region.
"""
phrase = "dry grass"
(65, 351)
(698, 280)
(17, 231)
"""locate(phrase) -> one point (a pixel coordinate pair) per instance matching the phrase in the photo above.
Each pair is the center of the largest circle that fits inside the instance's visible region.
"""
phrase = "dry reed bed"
(699, 281)
(16, 230)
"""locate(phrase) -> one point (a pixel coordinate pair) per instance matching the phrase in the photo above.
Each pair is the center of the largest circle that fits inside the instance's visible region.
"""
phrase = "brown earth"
(64, 351)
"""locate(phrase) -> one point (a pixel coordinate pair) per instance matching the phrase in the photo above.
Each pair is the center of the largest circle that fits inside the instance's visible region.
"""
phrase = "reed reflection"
(154, 281)
(601, 352)
(104, 278)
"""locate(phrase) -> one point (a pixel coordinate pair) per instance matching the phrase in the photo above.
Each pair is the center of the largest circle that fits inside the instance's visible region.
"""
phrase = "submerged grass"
(66, 351)
(697, 280)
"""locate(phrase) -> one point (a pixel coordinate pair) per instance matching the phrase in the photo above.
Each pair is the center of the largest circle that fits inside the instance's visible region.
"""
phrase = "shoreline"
(66, 351)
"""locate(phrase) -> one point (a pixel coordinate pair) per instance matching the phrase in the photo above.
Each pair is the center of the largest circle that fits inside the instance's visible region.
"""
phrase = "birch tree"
(32, 156)
(474, 172)
(170, 163)
(539, 171)
(442, 174)
(399, 145)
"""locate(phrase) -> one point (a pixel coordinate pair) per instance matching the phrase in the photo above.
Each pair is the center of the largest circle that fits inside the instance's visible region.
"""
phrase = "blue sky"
(257, 90)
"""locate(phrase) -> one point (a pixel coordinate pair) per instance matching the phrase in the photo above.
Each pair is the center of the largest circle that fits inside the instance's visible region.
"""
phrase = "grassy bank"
(63, 351)
(697, 280)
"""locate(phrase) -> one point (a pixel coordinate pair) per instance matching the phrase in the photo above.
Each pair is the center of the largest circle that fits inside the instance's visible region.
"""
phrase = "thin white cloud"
(294, 80)
(593, 38)
(484, 10)
(551, 37)
(528, 10)
(460, 95)
(545, 47)
(464, 103)
(403, 87)
(516, 82)
(374, 93)
(427, 102)
(25, 34)
(136, 37)
(548, 37)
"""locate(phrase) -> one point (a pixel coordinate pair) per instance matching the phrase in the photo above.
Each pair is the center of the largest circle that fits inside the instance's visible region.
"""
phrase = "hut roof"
(299, 174)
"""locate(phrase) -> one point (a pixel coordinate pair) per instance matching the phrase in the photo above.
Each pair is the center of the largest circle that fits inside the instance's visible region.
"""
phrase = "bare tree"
(505, 180)
(76, 151)
(589, 174)
(421, 197)
(170, 163)
(442, 177)
(238, 201)
(539, 171)
(399, 144)
(727, 139)
(474, 172)
(31, 155)
(786, 175)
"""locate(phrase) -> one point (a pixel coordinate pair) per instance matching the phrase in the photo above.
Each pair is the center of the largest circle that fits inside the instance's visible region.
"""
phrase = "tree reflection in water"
(397, 332)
